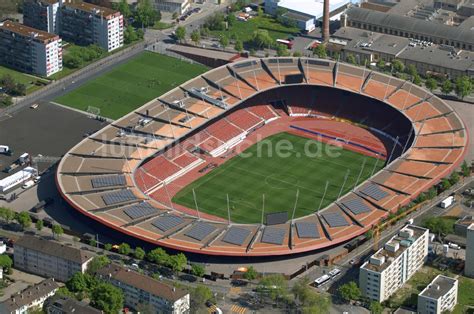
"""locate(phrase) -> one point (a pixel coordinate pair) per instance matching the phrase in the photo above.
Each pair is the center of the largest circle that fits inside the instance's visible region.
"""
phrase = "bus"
(335, 272)
(322, 280)
(285, 42)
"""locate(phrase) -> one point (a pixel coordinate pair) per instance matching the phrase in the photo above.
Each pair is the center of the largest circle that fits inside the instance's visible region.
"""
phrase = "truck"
(4, 149)
(23, 159)
(447, 202)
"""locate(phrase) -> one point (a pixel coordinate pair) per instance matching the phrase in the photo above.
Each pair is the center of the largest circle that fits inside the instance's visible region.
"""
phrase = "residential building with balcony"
(30, 50)
(439, 296)
(391, 266)
(49, 258)
(42, 14)
(139, 289)
(469, 265)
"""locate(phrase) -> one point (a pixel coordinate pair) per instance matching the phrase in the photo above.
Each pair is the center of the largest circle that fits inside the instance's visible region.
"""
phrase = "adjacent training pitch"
(132, 84)
(260, 170)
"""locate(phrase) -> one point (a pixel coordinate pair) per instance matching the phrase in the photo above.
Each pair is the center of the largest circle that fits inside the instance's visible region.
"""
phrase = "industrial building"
(306, 13)
(30, 50)
(78, 22)
(469, 266)
(172, 6)
(49, 258)
(141, 289)
(440, 296)
(391, 266)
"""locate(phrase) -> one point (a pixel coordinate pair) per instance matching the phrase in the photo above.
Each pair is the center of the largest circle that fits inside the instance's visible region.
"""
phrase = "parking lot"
(49, 130)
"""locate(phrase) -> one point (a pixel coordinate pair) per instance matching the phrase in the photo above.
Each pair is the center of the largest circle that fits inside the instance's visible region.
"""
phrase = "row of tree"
(10, 87)
(24, 221)
(142, 15)
(77, 56)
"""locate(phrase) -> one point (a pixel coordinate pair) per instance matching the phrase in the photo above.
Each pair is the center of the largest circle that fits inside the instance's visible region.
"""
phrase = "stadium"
(201, 169)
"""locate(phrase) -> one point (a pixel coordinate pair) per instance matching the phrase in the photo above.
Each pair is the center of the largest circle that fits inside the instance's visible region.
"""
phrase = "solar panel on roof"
(198, 94)
(276, 218)
(140, 210)
(318, 62)
(244, 64)
(200, 231)
(280, 60)
(335, 220)
(307, 230)
(236, 235)
(118, 197)
(168, 222)
(374, 191)
(101, 182)
(356, 206)
(273, 235)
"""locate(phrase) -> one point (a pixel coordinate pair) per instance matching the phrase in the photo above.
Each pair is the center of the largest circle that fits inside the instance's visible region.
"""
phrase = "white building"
(30, 50)
(439, 296)
(172, 6)
(42, 14)
(307, 13)
(140, 289)
(390, 267)
(49, 258)
(469, 265)
(31, 298)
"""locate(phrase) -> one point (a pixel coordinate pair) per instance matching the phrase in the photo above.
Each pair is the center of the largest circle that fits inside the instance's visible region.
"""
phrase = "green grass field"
(23, 78)
(132, 84)
(244, 30)
(278, 176)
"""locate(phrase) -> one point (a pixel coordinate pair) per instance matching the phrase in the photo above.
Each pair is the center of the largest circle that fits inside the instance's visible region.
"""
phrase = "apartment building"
(140, 289)
(391, 266)
(30, 50)
(439, 296)
(32, 297)
(42, 14)
(49, 258)
(86, 24)
(62, 305)
(469, 265)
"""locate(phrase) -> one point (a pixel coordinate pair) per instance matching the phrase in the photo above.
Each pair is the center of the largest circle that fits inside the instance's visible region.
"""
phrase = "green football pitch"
(132, 84)
(302, 166)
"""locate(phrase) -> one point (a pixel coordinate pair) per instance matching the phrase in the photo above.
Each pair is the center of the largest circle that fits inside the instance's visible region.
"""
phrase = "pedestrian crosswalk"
(212, 309)
(238, 309)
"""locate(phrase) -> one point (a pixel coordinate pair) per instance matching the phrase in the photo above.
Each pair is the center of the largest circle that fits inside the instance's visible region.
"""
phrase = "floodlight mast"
(263, 206)
(296, 203)
(344, 183)
(228, 208)
(196, 203)
(324, 195)
(360, 173)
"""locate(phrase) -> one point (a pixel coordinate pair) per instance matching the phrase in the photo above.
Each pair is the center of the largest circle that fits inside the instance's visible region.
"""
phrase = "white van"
(28, 184)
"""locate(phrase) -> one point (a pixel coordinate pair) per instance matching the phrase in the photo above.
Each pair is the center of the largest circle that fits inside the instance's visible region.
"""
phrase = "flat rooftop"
(20, 29)
(438, 287)
(403, 244)
(91, 8)
(311, 7)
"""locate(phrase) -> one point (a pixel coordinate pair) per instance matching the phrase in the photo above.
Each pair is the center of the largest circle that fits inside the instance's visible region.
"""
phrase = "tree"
(320, 51)
(231, 19)
(274, 285)
(97, 263)
(349, 291)
(438, 225)
(180, 33)
(381, 64)
(6, 263)
(124, 8)
(158, 256)
(92, 242)
(39, 225)
(199, 296)
(5, 101)
(454, 178)
(261, 38)
(198, 270)
(77, 283)
(124, 249)
(178, 262)
(369, 234)
(411, 70)
(72, 61)
(107, 298)
(316, 303)
(465, 170)
(447, 87)
(108, 247)
(397, 66)
(282, 50)
(297, 54)
(145, 14)
(129, 35)
(463, 86)
(250, 274)
(24, 220)
(139, 253)
(376, 308)
(7, 214)
(431, 84)
(351, 59)
(196, 37)
(432, 193)
(259, 11)
(445, 184)
(417, 80)
(57, 230)
(238, 45)
(224, 41)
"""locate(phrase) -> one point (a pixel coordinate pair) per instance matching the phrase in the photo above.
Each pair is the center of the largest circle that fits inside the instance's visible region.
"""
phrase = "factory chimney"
(326, 21)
